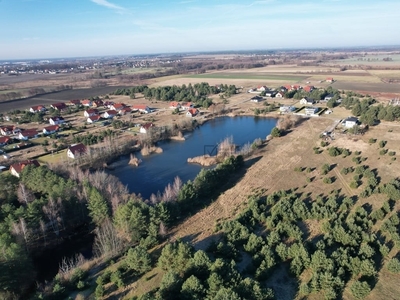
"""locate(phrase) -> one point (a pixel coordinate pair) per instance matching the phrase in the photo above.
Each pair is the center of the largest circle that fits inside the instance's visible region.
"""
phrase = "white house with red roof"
(86, 102)
(93, 119)
(125, 110)
(91, 112)
(51, 129)
(174, 105)
(56, 120)
(28, 134)
(109, 114)
(76, 150)
(192, 112)
(117, 106)
(37, 108)
(262, 88)
(329, 79)
(59, 106)
(145, 127)
(4, 140)
(16, 169)
(142, 108)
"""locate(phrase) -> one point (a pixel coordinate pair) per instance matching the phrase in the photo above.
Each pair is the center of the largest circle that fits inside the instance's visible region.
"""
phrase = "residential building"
(51, 129)
(350, 122)
(76, 150)
(192, 112)
(145, 127)
(16, 169)
(307, 101)
(56, 120)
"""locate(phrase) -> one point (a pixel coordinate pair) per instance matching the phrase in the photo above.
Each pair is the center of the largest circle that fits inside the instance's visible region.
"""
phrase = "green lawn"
(55, 157)
(249, 76)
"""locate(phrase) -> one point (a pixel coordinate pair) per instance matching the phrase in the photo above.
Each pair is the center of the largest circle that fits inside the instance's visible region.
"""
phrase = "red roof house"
(75, 150)
(17, 168)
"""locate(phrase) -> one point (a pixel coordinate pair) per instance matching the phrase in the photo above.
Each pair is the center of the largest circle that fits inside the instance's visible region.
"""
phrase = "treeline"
(91, 139)
(197, 93)
(32, 92)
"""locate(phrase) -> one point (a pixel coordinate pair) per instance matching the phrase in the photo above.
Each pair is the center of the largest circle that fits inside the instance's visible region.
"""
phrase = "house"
(97, 103)
(109, 114)
(287, 109)
(17, 168)
(288, 87)
(350, 122)
(145, 127)
(308, 88)
(75, 102)
(329, 97)
(187, 105)
(269, 93)
(59, 106)
(174, 105)
(93, 119)
(192, 112)
(256, 99)
(262, 88)
(37, 108)
(296, 87)
(91, 112)
(329, 79)
(86, 102)
(311, 110)
(76, 150)
(307, 101)
(280, 94)
(125, 110)
(51, 129)
(142, 108)
(283, 89)
(28, 134)
(117, 106)
(4, 140)
(8, 130)
(56, 120)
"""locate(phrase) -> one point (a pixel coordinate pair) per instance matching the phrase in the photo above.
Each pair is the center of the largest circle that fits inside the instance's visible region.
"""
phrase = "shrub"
(324, 144)
(356, 159)
(383, 152)
(357, 177)
(393, 158)
(298, 169)
(325, 169)
(360, 290)
(308, 170)
(275, 132)
(357, 153)
(394, 265)
(382, 144)
(392, 153)
(354, 184)
(346, 152)
(335, 151)
(327, 180)
(372, 141)
(308, 179)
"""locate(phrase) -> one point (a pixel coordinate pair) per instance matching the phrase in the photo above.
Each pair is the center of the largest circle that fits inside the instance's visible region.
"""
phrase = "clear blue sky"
(68, 28)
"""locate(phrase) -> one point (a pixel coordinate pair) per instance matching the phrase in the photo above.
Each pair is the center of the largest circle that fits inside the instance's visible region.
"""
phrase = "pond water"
(158, 170)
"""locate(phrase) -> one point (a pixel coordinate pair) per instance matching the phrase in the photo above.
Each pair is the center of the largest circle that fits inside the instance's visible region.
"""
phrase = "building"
(28, 134)
(91, 112)
(307, 101)
(86, 102)
(4, 140)
(308, 88)
(125, 110)
(59, 106)
(311, 110)
(256, 99)
(51, 129)
(192, 112)
(329, 79)
(93, 119)
(174, 105)
(350, 122)
(109, 114)
(287, 109)
(56, 120)
(187, 105)
(142, 108)
(76, 150)
(117, 106)
(37, 108)
(145, 127)
(16, 169)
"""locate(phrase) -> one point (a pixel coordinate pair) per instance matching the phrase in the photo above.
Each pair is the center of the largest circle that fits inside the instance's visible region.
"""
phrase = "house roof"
(94, 118)
(18, 167)
(147, 125)
(119, 106)
(174, 103)
(308, 88)
(60, 105)
(7, 128)
(140, 106)
(77, 148)
(29, 133)
(4, 139)
(86, 101)
(98, 102)
(37, 107)
(193, 111)
(126, 109)
(75, 102)
(92, 111)
(57, 119)
(309, 100)
(52, 127)
(111, 112)
(351, 119)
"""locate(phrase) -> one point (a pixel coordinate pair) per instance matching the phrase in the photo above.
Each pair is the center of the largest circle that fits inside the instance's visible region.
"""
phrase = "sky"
(78, 28)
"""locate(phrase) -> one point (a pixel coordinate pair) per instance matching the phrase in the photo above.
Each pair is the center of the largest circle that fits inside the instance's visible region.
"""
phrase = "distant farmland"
(250, 76)
(50, 98)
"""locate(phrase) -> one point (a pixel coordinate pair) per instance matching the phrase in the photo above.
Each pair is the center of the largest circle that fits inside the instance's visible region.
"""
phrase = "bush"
(325, 169)
(327, 180)
(372, 141)
(298, 169)
(382, 144)
(392, 153)
(324, 144)
(383, 152)
(357, 160)
(354, 184)
(360, 290)
(394, 265)
(308, 170)
(335, 151)
(275, 132)
(357, 153)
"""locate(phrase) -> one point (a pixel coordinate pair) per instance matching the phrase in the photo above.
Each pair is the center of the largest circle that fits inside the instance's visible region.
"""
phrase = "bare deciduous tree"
(25, 195)
(107, 242)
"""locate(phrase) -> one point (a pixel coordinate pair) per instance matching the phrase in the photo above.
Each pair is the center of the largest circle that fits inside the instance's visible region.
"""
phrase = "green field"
(257, 76)
(53, 158)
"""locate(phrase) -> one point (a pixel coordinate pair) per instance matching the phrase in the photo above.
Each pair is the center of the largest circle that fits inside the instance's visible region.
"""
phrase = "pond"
(158, 170)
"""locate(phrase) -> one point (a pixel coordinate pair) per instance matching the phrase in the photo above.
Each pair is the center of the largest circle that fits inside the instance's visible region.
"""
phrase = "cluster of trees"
(197, 93)
(91, 139)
